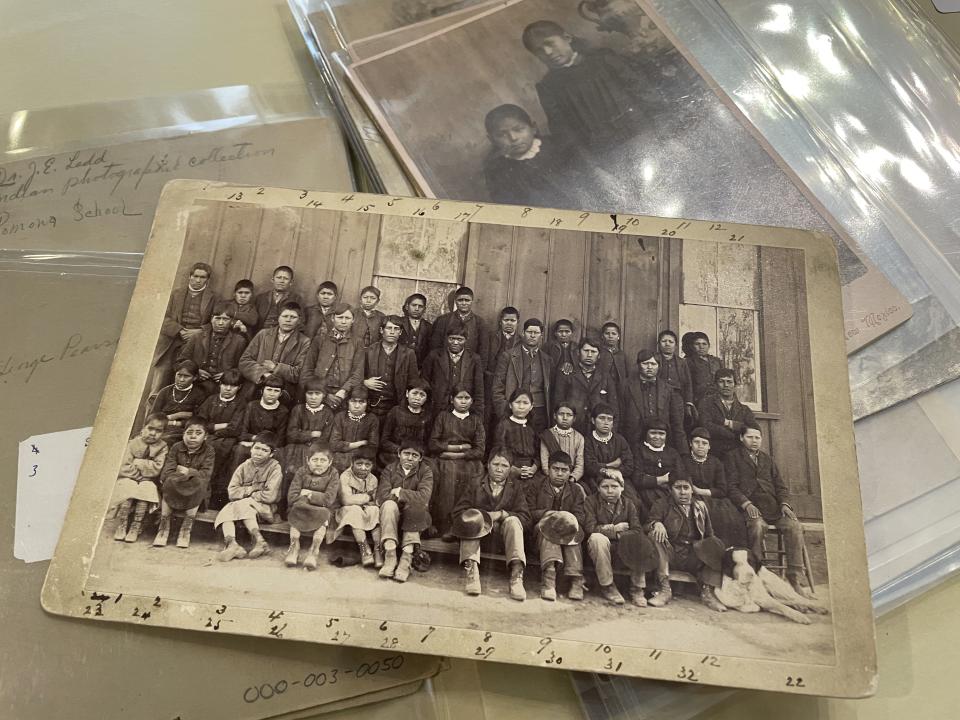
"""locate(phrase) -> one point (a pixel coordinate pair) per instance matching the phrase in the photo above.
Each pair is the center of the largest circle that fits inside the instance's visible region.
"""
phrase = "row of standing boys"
(272, 398)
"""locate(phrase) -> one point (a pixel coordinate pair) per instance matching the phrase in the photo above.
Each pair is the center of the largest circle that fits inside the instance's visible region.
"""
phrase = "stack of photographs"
(476, 105)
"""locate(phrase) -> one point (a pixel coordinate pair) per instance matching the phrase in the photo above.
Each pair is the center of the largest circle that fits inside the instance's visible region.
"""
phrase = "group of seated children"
(558, 492)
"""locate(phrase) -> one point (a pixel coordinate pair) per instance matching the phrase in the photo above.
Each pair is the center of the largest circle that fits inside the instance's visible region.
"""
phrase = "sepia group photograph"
(575, 434)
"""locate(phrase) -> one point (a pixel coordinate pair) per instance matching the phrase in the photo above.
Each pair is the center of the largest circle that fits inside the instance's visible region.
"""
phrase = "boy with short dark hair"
(269, 303)
(555, 503)
(404, 496)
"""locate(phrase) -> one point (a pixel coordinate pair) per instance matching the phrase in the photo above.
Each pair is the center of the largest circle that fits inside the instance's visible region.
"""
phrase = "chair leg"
(807, 569)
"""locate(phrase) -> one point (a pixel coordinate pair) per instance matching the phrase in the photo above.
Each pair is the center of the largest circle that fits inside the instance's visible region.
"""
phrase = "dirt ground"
(437, 597)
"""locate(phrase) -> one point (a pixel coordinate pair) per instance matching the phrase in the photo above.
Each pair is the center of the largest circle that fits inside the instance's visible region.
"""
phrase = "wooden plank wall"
(549, 274)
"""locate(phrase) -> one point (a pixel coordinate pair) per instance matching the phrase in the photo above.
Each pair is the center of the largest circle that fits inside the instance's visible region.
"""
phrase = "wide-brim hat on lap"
(415, 519)
(561, 528)
(420, 560)
(185, 484)
(307, 518)
(637, 551)
(710, 551)
(472, 524)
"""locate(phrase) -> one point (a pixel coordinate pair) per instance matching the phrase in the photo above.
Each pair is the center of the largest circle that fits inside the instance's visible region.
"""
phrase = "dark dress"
(596, 454)
(170, 401)
(256, 419)
(550, 178)
(450, 474)
(346, 430)
(728, 523)
(183, 492)
(400, 424)
(650, 464)
(520, 439)
(215, 411)
(301, 423)
(316, 509)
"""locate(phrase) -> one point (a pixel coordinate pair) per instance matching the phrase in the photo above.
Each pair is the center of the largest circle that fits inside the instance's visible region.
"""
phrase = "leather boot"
(183, 538)
(663, 594)
(548, 581)
(709, 598)
(123, 517)
(260, 546)
(313, 555)
(366, 557)
(403, 567)
(637, 596)
(389, 564)
(163, 532)
(576, 588)
(472, 577)
(517, 591)
(293, 553)
(134, 532)
(611, 594)
(232, 551)
(377, 556)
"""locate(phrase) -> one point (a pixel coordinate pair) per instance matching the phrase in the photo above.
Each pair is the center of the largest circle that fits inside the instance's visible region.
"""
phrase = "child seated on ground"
(404, 496)
(185, 481)
(613, 522)
(253, 493)
(312, 499)
(606, 454)
(136, 484)
(359, 510)
(555, 503)
(682, 533)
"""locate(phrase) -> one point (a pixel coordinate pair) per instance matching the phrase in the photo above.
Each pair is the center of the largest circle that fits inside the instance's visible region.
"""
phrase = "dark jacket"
(713, 413)
(171, 327)
(508, 376)
(669, 409)
(436, 371)
(666, 511)
(324, 489)
(417, 340)
(541, 498)
(759, 483)
(584, 394)
(405, 369)
(268, 310)
(197, 348)
(315, 321)
(677, 374)
(702, 371)
(598, 512)
(416, 488)
(708, 475)
(339, 358)
(476, 494)
(290, 365)
(477, 338)
(367, 329)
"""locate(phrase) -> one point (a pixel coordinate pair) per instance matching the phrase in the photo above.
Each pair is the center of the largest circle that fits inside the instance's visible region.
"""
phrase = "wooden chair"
(776, 558)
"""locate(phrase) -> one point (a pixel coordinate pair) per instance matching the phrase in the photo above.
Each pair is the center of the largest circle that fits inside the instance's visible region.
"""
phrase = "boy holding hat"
(492, 504)
(404, 496)
(556, 506)
(614, 522)
(682, 534)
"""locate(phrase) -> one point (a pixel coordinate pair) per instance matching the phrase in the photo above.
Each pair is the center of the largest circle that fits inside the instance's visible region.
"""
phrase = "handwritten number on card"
(544, 644)
(389, 643)
(687, 674)
(33, 449)
(735, 238)
(655, 654)
(429, 633)
(331, 621)
(795, 682)
(710, 660)
(554, 659)
(34, 472)
(221, 610)
(235, 196)
(484, 652)
(303, 194)
(260, 191)
(610, 666)
(383, 626)
(583, 216)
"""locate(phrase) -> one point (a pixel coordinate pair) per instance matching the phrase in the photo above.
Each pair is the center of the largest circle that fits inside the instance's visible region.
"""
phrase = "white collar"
(518, 421)
(532, 152)
(573, 60)
(600, 439)
(461, 415)
(269, 407)
(659, 449)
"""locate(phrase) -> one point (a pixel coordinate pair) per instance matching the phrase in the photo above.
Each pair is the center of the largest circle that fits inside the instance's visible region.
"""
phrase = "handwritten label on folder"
(47, 470)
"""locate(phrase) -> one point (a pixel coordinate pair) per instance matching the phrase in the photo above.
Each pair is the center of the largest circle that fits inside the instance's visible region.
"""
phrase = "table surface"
(64, 53)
